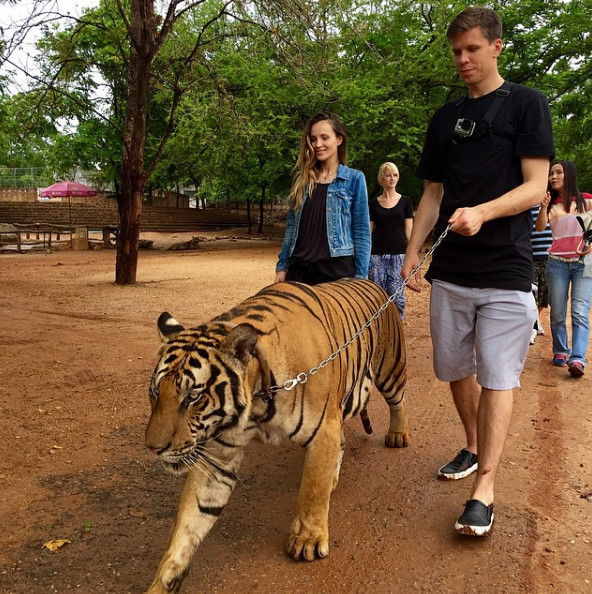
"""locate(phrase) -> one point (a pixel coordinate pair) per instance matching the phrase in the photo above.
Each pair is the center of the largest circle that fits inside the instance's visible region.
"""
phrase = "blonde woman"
(328, 226)
(391, 222)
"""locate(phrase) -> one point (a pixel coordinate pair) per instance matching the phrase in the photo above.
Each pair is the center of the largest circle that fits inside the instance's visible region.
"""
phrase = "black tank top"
(312, 244)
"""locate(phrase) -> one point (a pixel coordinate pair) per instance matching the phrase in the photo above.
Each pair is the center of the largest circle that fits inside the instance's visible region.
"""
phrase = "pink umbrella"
(67, 189)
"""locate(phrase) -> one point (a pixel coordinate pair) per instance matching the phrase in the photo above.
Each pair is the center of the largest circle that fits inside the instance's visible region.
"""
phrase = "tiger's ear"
(167, 326)
(240, 343)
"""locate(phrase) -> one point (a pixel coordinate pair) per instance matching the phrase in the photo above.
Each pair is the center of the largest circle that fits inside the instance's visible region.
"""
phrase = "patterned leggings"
(385, 271)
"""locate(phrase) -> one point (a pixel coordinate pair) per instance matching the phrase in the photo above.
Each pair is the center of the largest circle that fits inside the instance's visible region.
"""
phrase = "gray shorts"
(480, 331)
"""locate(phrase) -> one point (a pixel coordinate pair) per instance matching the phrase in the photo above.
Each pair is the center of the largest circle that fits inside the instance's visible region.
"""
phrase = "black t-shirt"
(474, 172)
(312, 244)
(389, 236)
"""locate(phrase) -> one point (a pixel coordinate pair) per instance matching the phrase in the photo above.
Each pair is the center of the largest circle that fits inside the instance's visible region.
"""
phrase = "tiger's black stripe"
(320, 422)
(210, 510)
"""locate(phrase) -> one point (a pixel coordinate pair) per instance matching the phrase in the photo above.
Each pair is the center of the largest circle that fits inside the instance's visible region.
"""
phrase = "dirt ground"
(76, 355)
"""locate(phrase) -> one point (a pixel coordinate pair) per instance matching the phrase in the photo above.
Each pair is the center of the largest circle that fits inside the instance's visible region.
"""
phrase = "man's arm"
(425, 219)
(535, 172)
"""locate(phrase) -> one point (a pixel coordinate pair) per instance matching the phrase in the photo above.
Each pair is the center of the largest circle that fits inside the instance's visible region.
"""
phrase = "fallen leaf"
(56, 543)
(136, 513)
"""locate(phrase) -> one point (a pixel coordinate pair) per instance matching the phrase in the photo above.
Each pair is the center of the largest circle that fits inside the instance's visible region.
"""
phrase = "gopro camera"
(464, 127)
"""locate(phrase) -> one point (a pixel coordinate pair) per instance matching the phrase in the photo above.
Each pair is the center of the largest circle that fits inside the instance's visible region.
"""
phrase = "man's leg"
(502, 330)
(466, 393)
(495, 412)
(452, 326)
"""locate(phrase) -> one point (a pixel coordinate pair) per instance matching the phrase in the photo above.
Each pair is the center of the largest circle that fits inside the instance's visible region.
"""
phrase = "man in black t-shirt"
(485, 164)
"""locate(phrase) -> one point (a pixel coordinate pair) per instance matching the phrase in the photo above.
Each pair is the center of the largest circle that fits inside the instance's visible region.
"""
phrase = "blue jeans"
(559, 276)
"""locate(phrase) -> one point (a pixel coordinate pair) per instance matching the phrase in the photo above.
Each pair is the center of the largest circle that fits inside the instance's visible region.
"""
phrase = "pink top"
(567, 232)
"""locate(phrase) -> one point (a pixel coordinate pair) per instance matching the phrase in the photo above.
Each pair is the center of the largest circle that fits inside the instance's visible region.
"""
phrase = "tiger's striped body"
(206, 407)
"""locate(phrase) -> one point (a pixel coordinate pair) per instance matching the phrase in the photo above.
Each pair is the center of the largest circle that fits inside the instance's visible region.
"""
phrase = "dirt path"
(76, 354)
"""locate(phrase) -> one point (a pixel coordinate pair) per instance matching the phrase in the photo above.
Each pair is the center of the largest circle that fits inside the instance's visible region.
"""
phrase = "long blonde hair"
(307, 166)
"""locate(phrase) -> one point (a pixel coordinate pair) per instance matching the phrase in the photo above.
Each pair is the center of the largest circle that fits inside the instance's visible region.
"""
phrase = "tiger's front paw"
(168, 578)
(158, 588)
(399, 439)
(306, 543)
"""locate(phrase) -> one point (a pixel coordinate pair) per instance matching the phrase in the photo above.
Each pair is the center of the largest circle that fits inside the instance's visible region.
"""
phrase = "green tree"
(216, 94)
(22, 145)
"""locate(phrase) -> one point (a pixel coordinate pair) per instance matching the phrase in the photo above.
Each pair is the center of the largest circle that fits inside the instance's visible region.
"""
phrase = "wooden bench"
(108, 231)
(34, 234)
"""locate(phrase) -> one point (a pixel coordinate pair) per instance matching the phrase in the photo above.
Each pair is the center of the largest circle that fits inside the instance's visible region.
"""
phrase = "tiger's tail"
(366, 421)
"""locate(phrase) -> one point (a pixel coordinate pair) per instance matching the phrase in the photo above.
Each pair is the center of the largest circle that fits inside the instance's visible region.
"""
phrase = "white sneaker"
(540, 329)
(533, 335)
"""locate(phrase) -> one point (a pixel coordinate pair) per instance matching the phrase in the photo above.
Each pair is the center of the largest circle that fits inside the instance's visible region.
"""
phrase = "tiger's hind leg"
(390, 377)
(398, 433)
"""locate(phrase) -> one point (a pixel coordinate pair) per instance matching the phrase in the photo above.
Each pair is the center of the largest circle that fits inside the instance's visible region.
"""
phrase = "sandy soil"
(77, 352)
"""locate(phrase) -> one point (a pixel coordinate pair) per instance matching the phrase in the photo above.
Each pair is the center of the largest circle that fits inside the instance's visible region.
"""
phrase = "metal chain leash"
(302, 377)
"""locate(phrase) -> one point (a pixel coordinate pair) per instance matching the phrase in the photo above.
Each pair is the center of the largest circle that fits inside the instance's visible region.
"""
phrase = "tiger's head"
(198, 390)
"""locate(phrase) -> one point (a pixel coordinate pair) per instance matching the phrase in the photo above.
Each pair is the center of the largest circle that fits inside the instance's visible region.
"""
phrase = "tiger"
(273, 367)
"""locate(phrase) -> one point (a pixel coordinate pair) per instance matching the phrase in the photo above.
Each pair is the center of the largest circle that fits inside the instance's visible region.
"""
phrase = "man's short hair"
(476, 16)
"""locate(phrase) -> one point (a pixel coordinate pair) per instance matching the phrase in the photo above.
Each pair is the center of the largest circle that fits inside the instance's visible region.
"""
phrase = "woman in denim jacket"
(328, 226)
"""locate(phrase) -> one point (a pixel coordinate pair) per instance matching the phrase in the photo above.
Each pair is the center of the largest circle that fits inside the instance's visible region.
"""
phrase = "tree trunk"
(133, 178)
(249, 218)
(261, 208)
(130, 209)
(197, 184)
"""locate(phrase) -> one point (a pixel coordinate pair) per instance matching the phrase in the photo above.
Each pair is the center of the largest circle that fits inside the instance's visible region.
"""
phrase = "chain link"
(302, 377)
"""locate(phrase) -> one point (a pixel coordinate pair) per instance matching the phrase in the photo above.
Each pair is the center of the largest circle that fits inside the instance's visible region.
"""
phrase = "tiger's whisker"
(215, 465)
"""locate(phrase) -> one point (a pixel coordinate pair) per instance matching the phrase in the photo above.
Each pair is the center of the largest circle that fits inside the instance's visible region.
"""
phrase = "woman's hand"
(280, 277)
(543, 216)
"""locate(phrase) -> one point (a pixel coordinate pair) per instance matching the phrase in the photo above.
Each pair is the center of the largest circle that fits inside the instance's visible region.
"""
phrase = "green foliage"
(242, 98)
(25, 139)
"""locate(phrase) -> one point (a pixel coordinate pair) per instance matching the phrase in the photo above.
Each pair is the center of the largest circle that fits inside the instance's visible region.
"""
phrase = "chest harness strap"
(483, 127)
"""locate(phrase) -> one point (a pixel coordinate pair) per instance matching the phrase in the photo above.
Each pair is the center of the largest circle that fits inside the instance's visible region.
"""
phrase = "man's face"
(475, 57)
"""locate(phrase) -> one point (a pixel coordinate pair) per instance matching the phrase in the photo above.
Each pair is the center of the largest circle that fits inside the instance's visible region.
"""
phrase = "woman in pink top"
(565, 267)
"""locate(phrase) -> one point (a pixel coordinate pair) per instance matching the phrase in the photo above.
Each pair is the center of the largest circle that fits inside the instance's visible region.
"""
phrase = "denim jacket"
(348, 221)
